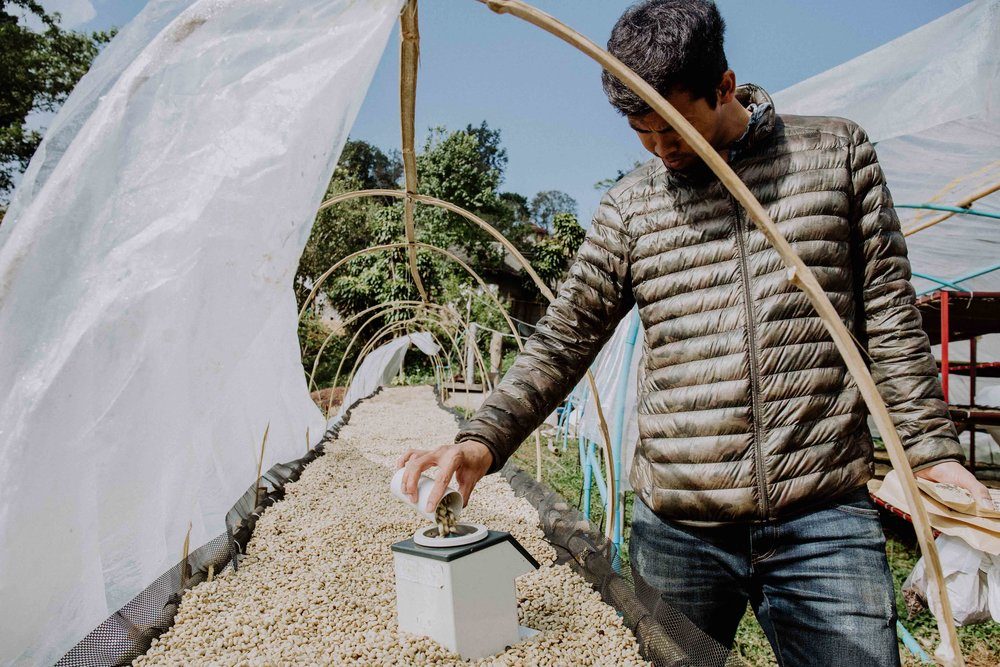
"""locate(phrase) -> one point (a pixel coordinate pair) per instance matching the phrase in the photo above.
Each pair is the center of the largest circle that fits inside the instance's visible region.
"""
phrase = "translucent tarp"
(381, 365)
(931, 102)
(148, 323)
(617, 387)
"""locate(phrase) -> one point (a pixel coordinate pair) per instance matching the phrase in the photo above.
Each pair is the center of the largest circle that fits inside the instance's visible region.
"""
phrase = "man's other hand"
(467, 460)
(953, 472)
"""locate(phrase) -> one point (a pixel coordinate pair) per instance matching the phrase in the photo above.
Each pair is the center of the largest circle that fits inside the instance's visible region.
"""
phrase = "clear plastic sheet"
(148, 323)
(929, 101)
(610, 373)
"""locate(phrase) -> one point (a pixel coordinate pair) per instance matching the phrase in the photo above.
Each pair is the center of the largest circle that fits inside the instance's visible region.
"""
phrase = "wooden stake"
(185, 567)
(409, 54)
(260, 464)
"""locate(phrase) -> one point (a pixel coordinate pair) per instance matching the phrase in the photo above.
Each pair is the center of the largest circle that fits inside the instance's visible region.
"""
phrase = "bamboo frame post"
(798, 274)
(260, 466)
(409, 54)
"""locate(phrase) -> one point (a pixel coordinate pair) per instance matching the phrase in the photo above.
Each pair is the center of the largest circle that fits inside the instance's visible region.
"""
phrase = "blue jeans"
(819, 582)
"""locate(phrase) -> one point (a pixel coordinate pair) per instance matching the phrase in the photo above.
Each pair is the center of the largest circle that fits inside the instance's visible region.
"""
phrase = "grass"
(980, 643)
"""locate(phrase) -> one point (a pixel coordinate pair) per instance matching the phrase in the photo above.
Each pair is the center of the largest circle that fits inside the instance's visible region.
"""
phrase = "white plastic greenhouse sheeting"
(931, 102)
(610, 372)
(381, 365)
(148, 328)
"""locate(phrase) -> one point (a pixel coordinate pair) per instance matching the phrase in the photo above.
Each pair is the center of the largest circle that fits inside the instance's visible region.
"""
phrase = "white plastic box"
(463, 597)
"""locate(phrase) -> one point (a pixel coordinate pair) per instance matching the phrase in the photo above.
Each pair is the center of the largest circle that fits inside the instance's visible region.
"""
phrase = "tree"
(551, 256)
(37, 72)
(546, 205)
(517, 206)
(465, 167)
(373, 168)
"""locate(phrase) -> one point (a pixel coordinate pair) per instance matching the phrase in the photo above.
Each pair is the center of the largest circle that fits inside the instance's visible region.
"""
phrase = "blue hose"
(910, 642)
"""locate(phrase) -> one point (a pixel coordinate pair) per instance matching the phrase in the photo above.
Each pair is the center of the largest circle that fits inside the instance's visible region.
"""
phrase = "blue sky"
(559, 131)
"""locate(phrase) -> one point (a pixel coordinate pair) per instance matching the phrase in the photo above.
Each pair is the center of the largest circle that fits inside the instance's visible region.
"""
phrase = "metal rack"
(948, 317)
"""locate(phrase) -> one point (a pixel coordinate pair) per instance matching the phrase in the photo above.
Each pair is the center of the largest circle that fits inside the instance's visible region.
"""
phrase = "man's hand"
(467, 460)
(953, 472)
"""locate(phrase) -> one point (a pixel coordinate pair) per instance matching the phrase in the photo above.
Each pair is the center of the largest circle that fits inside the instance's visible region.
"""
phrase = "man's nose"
(664, 146)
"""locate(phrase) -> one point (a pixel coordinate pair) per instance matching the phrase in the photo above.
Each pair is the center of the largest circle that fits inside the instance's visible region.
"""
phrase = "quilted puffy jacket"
(746, 409)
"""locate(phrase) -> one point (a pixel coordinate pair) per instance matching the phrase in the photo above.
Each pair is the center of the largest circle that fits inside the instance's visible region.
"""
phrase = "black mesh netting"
(127, 633)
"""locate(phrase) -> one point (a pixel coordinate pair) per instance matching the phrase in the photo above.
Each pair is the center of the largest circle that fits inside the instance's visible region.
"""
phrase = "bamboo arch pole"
(382, 332)
(391, 306)
(383, 307)
(542, 287)
(430, 320)
(496, 302)
(438, 367)
(457, 348)
(397, 304)
(346, 322)
(392, 327)
(963, 203)
(798, 274)
(468, 215)
(382, 310)
(409, 52)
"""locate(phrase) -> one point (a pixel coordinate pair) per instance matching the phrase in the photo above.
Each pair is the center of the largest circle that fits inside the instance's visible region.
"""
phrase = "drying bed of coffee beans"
(317, 587)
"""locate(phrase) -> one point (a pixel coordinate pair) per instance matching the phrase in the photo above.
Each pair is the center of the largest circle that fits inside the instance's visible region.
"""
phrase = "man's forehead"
(651, 122)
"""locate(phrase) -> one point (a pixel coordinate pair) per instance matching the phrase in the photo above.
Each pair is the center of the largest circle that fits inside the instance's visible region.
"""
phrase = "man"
(754, 449)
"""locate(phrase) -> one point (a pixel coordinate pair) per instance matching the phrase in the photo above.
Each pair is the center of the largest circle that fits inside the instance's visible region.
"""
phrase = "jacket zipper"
(754, 363)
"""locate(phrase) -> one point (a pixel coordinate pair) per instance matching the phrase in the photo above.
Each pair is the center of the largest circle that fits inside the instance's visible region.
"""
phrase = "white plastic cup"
(452, 498)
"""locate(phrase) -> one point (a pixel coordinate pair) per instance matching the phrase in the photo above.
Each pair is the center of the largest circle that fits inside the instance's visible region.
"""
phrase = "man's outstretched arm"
(590, 303)
(902, 364)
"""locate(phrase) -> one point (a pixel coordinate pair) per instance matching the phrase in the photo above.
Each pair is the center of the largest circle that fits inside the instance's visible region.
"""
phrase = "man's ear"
(726, 90)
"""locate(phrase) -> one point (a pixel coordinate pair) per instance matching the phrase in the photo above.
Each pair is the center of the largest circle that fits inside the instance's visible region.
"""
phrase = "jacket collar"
(762, 117)
(762, 122)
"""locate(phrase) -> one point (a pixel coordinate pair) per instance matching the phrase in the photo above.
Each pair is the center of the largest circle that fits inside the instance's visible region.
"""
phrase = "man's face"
(664, 142)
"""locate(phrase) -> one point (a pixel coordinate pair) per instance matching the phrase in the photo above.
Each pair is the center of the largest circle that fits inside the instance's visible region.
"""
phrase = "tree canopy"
(465, 167)
(38, 69)
(545, 206)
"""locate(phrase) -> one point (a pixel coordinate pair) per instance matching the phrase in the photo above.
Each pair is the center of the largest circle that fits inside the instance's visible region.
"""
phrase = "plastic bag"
(970, 577)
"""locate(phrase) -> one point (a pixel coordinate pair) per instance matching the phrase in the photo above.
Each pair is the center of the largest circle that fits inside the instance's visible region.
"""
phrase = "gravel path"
(316, 585)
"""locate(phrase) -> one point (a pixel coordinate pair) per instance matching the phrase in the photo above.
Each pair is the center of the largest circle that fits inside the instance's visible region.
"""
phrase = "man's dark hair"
(672, 44)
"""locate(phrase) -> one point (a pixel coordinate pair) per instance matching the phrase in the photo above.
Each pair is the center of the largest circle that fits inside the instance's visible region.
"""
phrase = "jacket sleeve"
(901, 361)
(590, 303)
